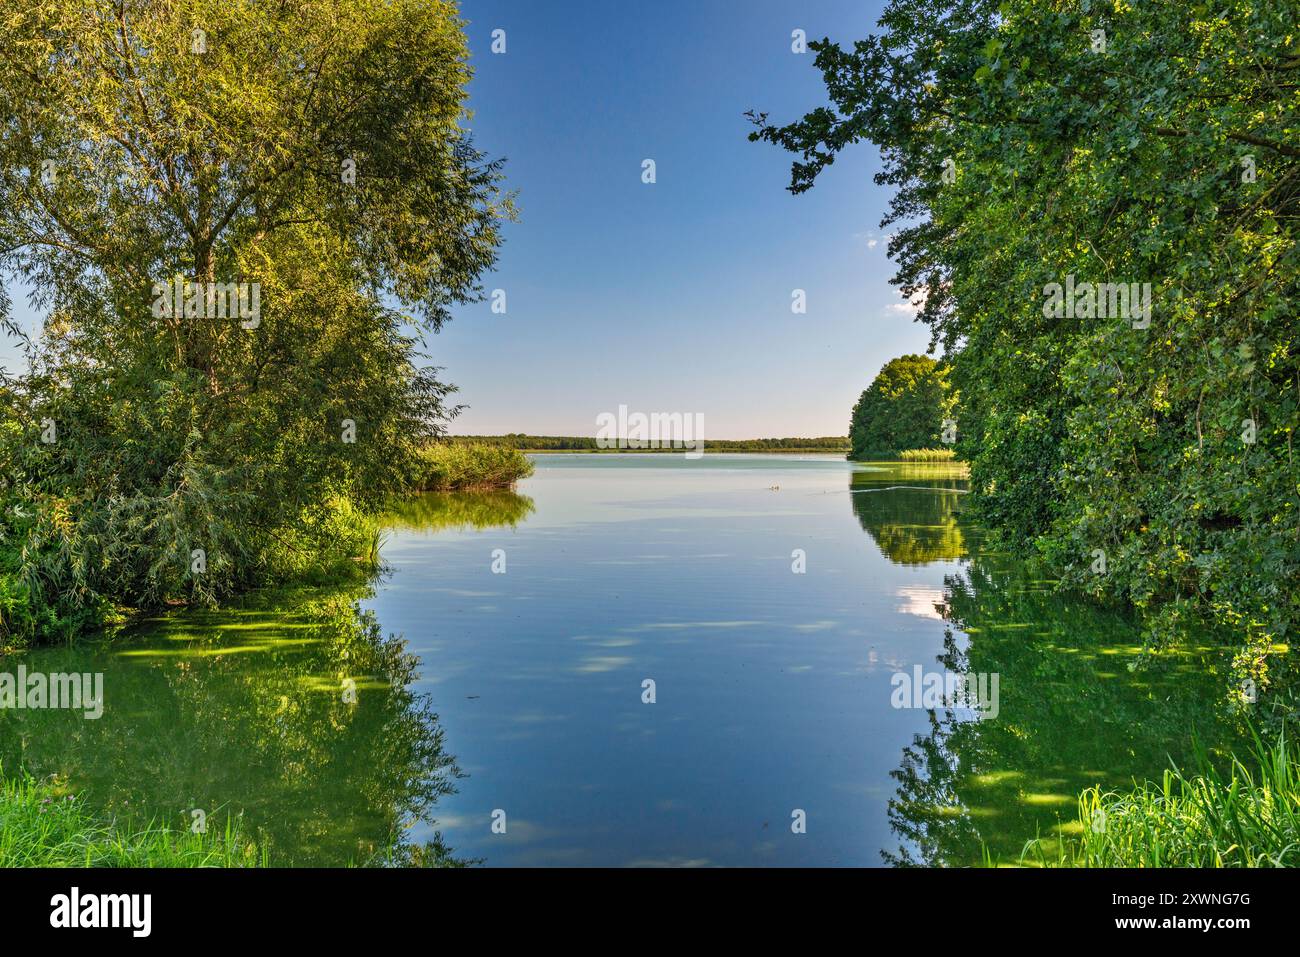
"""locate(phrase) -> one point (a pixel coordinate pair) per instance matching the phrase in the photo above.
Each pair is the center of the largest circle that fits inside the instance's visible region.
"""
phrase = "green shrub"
(24, 619)
(449, 466)
(335, 542)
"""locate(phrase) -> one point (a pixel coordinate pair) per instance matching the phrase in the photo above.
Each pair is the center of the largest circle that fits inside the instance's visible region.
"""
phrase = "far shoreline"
(706, 450)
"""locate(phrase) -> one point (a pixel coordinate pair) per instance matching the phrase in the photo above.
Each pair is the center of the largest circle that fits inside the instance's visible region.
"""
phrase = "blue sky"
(671, 297)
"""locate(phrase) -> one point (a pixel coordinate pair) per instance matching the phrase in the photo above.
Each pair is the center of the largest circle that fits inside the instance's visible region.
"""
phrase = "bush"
(448, 466)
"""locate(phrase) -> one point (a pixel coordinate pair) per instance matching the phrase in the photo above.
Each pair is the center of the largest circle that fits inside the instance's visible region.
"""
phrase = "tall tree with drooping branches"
(313, 154)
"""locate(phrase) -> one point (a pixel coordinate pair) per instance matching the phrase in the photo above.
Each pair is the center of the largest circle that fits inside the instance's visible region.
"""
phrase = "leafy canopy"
(315, 148)
(1030, 141)
(902, 409)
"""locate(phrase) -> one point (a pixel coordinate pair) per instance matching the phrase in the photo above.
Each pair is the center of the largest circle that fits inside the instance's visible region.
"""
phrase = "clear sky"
(676, 296)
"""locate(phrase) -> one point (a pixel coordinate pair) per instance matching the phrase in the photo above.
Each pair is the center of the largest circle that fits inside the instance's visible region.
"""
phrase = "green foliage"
(24, 616)
(1169, 158)
(455, 465)
(43, 826)
(187, 431)
(902, 409)
(1246, 816)
(927, 455)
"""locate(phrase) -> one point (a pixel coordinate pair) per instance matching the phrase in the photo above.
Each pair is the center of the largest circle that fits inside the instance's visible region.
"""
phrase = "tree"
(1041, 147)
(902, 409)
(304, 163)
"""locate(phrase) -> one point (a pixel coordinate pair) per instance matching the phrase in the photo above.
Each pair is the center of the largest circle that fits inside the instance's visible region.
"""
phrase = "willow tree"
(1036, 145)
(241, 217)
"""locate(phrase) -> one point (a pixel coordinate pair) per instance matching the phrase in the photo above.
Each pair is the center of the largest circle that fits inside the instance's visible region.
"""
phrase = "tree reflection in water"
(1072, 712)
(438, 511)
(292, 714)
(247, 713)
(910, 510)
(1072, 715)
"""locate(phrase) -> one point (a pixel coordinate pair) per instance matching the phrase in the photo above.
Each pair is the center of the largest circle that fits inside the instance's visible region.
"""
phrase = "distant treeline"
(576, 443)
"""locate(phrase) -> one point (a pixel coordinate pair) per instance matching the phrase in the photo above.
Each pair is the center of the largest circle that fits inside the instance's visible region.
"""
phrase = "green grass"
(40, 826)
(907, 455)
(450, 466)
(1247, 815)
(927, 455)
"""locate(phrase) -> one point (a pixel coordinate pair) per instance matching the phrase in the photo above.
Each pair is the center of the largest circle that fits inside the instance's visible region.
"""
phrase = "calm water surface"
(520, 690)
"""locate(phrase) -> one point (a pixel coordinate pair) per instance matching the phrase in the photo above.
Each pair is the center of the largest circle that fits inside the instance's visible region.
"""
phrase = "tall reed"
(1244, 814)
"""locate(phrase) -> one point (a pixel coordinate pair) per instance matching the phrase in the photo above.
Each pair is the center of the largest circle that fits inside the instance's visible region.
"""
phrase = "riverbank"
(334, 542)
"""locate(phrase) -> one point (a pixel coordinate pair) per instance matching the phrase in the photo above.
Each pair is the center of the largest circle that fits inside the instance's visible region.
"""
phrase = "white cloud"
(921, 601)
(870, 239)
(914, 306)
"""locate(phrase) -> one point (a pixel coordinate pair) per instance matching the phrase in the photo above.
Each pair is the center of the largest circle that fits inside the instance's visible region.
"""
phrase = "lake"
(488, 699)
